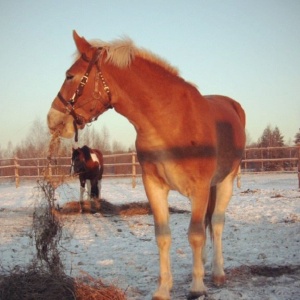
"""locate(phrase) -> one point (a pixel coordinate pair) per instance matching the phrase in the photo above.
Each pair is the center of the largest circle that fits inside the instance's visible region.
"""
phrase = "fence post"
(17, 177)
(298, 165)
(133, 170)
(49, 169)
(238, 179)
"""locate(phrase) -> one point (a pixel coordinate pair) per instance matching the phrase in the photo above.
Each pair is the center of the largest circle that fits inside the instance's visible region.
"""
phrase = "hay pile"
(37, 284)
(104, 207)
(109, 209)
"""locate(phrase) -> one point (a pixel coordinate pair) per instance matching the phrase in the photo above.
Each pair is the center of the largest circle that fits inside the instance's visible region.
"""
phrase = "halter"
(69, 104)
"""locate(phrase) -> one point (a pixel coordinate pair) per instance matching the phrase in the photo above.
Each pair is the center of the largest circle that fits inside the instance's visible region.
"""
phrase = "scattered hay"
(277, 196)
(107, 209)
(262, 271)
(37, 284)
(248, 191)
(104, 207)
(292, 218)
(88, 288)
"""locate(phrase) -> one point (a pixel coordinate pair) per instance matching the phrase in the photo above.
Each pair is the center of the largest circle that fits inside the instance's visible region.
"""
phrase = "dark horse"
(88, 164)
(185, 141)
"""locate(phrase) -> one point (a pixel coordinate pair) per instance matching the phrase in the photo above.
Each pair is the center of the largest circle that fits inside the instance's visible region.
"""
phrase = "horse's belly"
(184, 176)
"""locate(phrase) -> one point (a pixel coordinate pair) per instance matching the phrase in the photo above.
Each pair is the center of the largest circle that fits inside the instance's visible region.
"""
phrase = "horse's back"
(226, 109)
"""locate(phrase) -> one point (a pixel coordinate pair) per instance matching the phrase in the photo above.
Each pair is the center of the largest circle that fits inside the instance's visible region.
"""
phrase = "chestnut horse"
(185, 141)
(88, 164)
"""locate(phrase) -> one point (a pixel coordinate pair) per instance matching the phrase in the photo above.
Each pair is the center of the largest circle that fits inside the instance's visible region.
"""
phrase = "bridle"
(70, 104)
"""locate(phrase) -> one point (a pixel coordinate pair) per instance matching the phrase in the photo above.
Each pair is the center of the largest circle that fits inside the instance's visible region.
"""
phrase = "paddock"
(261, 238)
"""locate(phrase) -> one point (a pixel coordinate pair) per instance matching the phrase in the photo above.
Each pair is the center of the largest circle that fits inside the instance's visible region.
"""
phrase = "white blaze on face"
(58, 121)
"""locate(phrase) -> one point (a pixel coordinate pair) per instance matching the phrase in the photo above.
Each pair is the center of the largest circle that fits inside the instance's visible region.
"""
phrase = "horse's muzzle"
(60, 123)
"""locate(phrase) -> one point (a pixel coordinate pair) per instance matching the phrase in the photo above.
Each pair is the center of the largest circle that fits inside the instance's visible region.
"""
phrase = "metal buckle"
(84, 80)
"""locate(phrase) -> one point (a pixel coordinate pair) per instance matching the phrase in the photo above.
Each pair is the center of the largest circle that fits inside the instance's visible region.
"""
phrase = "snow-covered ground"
(261, 239)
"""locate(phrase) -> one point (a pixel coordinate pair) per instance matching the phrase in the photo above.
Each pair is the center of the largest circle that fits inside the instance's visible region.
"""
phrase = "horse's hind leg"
(223, 195)
(89, 189)
(94, 189)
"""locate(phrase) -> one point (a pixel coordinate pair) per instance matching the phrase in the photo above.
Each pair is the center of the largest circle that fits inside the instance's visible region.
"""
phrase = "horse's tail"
(210, 209)
(240, 111)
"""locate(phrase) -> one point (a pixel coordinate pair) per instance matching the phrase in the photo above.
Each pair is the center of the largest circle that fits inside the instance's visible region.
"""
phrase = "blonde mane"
(122, 52)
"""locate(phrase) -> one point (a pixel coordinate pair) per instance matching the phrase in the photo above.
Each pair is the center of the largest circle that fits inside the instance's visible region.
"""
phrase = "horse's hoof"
(219, 280)
(159, 298)
(161, 294)
(196, 295)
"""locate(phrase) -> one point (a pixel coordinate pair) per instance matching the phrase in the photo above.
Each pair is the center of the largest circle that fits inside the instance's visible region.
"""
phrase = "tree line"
(272, 137)
(37, 141)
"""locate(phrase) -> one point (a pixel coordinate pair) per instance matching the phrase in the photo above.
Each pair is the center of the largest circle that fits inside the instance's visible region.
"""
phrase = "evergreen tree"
(272, 138)
(278, 138)
(266, 139)
(297, 138)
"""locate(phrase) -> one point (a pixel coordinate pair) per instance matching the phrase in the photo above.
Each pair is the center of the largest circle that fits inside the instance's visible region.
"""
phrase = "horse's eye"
(69, 76)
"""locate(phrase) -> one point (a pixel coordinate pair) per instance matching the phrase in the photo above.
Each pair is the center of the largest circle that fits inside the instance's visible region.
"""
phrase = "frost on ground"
(261, 240)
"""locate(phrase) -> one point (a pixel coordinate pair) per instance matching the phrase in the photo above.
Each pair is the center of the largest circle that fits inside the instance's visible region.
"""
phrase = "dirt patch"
(277, 196)
(263, 271)
(108, 209)
(249, 191)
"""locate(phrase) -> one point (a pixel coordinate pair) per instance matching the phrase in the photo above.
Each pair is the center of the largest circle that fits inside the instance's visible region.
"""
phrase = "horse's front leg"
(99, 188)
(157, 196)
(82, 188)
(197, 238)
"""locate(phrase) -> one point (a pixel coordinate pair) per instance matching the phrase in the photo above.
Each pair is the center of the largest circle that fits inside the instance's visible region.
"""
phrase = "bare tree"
(36, 141)
(118, 147)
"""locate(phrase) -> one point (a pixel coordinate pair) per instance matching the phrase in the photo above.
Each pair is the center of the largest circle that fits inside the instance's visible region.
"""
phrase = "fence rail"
(117, 165)
(283, 159)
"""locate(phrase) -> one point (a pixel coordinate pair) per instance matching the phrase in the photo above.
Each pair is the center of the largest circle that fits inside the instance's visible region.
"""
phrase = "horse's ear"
(82, 45)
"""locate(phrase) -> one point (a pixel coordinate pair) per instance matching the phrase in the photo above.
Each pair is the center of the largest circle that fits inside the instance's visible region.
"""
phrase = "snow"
(262, 231)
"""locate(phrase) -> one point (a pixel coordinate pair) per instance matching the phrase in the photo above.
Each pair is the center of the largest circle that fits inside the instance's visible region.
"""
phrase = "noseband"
(70, 104)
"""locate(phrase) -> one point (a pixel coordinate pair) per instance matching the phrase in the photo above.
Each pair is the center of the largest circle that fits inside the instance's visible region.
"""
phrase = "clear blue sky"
(246, 49)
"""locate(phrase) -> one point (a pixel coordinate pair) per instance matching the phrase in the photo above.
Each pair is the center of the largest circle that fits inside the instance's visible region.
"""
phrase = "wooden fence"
(116, 165)
(276, 159)
(271, 159)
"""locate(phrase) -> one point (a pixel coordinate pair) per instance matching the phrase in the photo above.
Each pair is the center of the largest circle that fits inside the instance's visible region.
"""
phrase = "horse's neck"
(148, 96)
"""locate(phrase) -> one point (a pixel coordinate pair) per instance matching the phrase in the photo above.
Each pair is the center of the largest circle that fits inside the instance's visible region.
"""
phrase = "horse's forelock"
(120, 52)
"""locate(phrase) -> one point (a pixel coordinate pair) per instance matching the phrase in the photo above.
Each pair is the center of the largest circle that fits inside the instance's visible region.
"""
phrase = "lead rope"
(76, 130)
